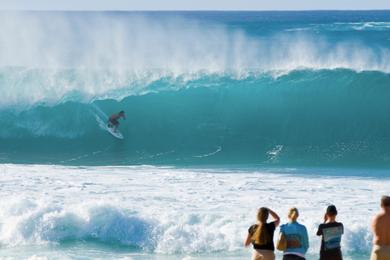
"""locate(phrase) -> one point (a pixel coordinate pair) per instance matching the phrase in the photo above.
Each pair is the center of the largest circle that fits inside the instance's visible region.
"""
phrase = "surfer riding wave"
(113, 120)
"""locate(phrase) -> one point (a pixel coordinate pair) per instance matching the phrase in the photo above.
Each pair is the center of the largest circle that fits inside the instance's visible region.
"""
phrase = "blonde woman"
(296, 236)
(261, 235)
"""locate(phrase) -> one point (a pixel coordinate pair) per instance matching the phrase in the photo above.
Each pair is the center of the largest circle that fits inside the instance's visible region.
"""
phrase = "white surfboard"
(114, 133)
(103, 125)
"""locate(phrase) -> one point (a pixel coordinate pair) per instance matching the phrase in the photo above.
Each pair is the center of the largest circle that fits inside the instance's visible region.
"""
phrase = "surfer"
(113, 120)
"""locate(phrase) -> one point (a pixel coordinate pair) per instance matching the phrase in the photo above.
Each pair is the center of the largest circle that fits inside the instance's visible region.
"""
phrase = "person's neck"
(331, 220)
(386, 211)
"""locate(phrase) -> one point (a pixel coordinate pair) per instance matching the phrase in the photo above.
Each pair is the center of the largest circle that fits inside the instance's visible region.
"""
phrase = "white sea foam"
(47, 57)
(172, 211)
(344, 26)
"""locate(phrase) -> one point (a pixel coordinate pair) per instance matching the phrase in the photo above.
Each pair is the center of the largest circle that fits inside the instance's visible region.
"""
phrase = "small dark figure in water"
(113, 120)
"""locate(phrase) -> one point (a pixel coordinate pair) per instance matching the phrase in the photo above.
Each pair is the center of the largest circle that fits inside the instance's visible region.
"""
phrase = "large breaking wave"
(305, 117)
(194, 92)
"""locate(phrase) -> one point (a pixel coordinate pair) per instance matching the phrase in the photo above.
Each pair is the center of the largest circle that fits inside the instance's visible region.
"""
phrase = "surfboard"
(103, 125)
(116, 133)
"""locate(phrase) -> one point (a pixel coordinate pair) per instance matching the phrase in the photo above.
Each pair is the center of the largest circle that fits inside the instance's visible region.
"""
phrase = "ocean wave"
(35, 222)
(343, 27)
(369, 26)
(47, 57)
(177, 211)
(194, 92)
(305, 117)
(29, 222)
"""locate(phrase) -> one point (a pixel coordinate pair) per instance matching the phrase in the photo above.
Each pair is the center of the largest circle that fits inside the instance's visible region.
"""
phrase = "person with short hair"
(381, 230)
(296, 236)
(261, 235)
(331, 232)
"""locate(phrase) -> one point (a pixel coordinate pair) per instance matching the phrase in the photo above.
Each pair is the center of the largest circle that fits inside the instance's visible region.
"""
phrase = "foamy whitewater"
(230, 110)
(145, 212)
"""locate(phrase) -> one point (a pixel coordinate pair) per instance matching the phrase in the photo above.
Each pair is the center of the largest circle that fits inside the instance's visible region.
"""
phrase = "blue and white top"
(297, 238)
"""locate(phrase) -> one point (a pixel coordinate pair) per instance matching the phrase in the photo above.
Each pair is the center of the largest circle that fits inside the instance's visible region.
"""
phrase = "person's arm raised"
(248, 240)
(275, 216)
(325, 218)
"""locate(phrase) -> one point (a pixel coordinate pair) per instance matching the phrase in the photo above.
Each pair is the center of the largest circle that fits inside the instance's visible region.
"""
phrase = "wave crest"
(47, 57)
(32, 222)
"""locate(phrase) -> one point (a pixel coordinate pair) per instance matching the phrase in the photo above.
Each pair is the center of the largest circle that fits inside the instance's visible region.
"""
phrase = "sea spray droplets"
(52, 57)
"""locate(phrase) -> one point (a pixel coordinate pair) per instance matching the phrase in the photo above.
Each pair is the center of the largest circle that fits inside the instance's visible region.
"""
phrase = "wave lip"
(306, 117)
(52, 57)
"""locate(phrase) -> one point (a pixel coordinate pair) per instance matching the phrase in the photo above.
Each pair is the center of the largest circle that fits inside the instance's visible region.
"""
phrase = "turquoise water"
(291, 108)
(305, 118)
(207, 88)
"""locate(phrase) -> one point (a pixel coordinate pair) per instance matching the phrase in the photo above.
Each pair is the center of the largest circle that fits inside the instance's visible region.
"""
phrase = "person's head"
(293, 214)
(262, 215)
(385, 203)
(121, 112)
(261, 235)
(331, 211)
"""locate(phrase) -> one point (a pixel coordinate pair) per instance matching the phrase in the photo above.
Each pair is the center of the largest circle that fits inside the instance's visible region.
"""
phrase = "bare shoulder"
(376, 219)
(381, 218)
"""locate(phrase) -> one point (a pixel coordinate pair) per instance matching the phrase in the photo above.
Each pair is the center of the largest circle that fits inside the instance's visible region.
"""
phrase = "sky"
(194, 4)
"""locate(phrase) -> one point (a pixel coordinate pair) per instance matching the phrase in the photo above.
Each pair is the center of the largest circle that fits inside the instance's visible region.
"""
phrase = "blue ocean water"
(238, 104)
(279, 88)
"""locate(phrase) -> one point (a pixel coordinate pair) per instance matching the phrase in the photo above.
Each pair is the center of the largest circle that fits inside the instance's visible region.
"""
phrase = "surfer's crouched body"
(113, 120)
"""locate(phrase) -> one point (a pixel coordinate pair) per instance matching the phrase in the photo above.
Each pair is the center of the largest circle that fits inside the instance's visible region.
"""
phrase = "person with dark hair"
(381, 230)
(261, 235)
(113, 120)
(331, 232)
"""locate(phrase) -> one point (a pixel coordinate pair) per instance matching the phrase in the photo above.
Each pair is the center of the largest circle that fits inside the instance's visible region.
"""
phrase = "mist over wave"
(286, 108)
(47, 57)
(195, 90)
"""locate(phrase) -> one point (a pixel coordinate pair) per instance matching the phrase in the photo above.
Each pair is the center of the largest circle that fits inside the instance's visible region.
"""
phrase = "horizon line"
(188, 10)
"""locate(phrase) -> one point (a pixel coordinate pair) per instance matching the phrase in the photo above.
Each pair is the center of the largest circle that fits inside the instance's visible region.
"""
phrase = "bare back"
(381, 228)
(115, 117)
